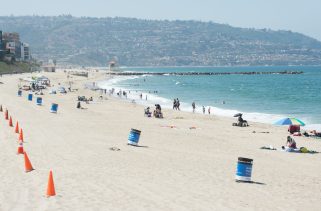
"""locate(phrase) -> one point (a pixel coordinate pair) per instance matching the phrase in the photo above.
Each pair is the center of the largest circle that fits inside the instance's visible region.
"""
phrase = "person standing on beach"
(209, 110)
(174, 104)
(203, 110)
(177, 104)
(193, 105)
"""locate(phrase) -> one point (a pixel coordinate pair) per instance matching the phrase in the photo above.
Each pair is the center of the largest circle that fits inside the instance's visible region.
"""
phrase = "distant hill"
(134, 42)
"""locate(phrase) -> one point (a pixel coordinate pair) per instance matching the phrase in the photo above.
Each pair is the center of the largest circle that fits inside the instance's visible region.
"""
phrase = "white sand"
(180, 169)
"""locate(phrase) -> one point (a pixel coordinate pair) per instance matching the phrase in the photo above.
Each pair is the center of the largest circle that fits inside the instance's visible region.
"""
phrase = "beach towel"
(301, 150)
(268, 148)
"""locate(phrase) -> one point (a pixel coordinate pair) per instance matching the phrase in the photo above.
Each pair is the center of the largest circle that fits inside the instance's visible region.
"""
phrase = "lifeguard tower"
(113, 66)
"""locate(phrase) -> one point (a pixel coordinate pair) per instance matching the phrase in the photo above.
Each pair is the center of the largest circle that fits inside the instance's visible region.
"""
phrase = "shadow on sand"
(251, 182)
(137, 145)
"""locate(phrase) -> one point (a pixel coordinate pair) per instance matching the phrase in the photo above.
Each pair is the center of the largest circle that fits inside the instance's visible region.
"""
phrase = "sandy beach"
(176, 168)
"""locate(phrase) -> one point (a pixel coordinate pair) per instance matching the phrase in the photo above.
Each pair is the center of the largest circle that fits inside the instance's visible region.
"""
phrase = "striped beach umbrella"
(289, 121)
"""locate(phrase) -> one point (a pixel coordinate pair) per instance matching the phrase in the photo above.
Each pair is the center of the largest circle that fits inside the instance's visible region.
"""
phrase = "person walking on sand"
(174, 104)
(193, 105)
(209, 110)
(203, 110)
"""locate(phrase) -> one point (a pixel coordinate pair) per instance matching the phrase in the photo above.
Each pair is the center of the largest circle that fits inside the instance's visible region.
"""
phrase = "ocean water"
(262, 98)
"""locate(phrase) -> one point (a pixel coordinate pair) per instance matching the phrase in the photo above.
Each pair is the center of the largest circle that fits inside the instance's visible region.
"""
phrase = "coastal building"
(25, 51)
(11, 48)
(11, 37)
(11, 41)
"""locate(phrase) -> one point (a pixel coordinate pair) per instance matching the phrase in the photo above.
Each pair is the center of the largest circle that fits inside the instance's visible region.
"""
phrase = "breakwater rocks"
(206, 73)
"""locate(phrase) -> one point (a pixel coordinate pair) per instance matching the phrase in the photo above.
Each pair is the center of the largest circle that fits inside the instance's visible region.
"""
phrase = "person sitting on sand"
(290, 143)
(242, 122)
(158, 111)
(147, 112)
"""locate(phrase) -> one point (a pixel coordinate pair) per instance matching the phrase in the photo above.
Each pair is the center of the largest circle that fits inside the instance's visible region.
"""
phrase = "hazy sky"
(302, 16)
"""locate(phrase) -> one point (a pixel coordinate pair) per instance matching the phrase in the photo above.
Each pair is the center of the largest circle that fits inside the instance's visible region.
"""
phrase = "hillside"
(17, 67)
(134, 42)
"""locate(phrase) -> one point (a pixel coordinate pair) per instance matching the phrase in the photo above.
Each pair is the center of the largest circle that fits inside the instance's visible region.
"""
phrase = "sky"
(302, 16)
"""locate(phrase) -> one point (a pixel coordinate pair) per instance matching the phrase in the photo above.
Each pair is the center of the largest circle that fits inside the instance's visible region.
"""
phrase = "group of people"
(122, 93)
(84, 99)
(176, 104)
(312, 133)
(208, 110)
(157, 112)
(291, 146)
(240, 121)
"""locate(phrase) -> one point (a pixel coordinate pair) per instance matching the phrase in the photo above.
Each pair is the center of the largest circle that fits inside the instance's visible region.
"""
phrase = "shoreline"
(154, 98)
(186, 161)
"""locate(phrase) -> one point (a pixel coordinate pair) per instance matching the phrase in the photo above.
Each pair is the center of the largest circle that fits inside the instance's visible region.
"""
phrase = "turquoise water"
(262, 97)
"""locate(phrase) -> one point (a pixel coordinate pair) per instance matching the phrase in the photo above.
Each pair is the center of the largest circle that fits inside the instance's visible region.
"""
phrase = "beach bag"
(304, 150)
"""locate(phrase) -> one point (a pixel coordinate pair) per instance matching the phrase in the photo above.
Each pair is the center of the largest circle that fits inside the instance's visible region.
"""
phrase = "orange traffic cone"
(6, 115)
(51, 187)
(20, 148)
(17, 128)
(21, 135)
(1, 108)
(10, 122)
(28, 165)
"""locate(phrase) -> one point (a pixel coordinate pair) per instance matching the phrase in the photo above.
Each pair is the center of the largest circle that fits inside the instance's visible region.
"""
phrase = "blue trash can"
(54, 108)
(244, 169)
(19, 93)
(133, 137)
(39, 101)
(30, 97)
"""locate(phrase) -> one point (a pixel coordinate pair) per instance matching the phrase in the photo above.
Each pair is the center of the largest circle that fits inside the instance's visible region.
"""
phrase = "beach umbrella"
(289, 121)
(237, 115)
